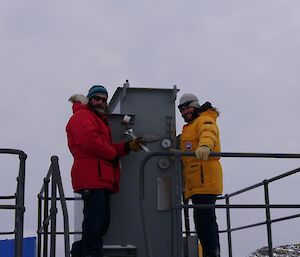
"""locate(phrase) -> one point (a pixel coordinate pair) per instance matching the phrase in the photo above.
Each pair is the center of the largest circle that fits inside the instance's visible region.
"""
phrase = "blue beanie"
(96, 89)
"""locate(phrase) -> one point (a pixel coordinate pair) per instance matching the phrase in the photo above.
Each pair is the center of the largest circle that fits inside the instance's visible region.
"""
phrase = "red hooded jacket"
(96, 158)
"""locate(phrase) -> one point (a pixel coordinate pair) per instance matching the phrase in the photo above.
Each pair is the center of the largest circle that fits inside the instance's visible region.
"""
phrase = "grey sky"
(243, 56)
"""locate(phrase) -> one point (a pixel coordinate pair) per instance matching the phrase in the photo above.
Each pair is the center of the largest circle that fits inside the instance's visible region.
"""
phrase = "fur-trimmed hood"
(79, 98)
(207, 106)
(80, 102)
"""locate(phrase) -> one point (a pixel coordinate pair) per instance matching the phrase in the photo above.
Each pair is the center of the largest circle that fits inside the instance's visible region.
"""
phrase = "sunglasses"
(98, 98)
(184, 106)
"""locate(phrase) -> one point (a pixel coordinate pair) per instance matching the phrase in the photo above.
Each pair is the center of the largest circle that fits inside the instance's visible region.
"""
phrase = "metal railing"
(267, 206)
(19, 206)
(47, 217)
(265, 184)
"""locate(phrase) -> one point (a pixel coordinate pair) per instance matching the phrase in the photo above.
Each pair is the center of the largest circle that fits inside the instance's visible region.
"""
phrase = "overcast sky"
(243, 56)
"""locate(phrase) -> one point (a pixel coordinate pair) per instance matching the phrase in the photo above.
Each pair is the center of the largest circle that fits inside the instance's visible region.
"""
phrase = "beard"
(99, 108)
(190, 116)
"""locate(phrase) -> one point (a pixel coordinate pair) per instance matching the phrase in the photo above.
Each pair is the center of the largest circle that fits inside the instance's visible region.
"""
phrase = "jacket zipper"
(99, 169)
(202, 175)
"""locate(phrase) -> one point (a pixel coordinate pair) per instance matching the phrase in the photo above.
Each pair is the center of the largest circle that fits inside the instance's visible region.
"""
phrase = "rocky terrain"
(280, 251)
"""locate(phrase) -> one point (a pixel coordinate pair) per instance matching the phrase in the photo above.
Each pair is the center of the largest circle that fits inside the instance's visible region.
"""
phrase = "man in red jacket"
(95, 172)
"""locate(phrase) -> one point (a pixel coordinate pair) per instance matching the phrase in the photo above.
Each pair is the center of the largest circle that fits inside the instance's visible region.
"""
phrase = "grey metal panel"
(151, 107)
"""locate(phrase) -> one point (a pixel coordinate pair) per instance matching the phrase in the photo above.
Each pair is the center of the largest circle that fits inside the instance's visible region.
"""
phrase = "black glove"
(134, 145)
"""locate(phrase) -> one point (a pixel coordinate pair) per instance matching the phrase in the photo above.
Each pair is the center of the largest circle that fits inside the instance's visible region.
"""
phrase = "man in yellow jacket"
(203, 180)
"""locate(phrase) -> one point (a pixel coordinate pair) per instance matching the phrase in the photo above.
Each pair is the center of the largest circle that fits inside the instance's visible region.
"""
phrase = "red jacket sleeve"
(120, 148)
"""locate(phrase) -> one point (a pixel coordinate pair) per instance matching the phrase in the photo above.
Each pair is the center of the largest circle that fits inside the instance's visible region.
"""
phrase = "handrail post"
(46, 210)
(19, 212)
(53, 210)
(63, 205)
(268, 217)
(39, 223)
(228, 225)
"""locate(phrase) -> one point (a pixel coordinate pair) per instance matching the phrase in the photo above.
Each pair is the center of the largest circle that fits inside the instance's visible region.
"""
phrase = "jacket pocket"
(99, 168)
(106, 171)
(201, 174)
(194, 177)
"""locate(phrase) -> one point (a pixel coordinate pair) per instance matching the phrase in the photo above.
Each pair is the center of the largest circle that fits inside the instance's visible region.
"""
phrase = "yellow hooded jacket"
(202, 177)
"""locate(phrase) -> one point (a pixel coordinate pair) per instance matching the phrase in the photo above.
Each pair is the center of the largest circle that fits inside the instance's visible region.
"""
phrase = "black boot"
(214, 253)
(76, 249)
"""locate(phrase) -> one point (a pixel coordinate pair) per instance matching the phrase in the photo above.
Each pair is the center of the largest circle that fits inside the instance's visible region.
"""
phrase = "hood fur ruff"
(79, 98)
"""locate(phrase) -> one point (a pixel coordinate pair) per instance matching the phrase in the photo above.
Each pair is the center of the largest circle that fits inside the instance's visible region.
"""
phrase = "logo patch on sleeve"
(188, 145)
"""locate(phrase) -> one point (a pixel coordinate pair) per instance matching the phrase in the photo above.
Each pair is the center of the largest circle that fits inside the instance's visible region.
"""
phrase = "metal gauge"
(166, 143)
(164, 163)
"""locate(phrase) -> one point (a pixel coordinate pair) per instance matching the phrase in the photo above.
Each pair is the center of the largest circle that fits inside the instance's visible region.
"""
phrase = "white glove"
(202, 153)
(79, 99)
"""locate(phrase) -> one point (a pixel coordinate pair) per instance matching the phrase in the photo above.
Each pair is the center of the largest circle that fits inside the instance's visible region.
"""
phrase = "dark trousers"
(206, 223)
(96, 217)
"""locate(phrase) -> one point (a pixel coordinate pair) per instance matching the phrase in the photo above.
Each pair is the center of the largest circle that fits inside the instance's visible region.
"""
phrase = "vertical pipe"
(19, 212)
(268, 217)
(39, 223)
(17, 225)
(178, 217)
(53, 211)
(187, 225)
(228, 226)
(46, 210)
(186, 217)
